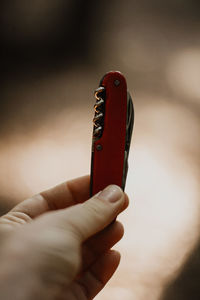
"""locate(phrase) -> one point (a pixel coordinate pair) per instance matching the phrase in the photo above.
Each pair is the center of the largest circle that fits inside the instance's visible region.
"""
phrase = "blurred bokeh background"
(53, 56)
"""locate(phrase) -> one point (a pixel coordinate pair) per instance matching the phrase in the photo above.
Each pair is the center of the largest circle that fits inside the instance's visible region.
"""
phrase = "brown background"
(54, 54)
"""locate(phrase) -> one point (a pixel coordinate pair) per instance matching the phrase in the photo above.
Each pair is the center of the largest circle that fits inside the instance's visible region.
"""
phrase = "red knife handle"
(109, 134)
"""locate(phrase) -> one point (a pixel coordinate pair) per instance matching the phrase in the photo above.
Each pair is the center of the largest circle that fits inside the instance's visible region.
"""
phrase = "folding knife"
(112, 132)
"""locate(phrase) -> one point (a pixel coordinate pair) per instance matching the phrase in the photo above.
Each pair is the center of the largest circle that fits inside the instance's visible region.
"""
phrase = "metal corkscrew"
(99, 109)
(112, 132)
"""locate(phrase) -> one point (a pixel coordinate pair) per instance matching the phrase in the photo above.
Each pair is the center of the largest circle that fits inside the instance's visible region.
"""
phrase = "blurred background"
(53, 55)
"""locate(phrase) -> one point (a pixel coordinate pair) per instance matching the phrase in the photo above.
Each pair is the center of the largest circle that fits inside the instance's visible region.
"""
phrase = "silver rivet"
(99, 147)
(116, 82)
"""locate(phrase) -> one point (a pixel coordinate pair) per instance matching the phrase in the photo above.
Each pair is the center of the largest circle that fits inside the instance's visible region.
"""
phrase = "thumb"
(86, 219)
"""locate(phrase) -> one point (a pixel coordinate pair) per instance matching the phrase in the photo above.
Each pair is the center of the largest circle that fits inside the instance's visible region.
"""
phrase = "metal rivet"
(99, 147)
(116, 82)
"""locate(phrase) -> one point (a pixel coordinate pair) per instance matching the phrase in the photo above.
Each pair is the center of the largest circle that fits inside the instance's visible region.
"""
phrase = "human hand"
(56, 245)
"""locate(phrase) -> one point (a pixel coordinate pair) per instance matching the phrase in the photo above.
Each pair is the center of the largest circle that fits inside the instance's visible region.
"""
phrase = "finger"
(85, 220)
(100, 243)
(61, 196)
(93, 281)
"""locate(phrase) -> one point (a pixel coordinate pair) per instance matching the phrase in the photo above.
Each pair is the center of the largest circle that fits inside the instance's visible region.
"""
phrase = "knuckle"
(75, 231)
(96, 209)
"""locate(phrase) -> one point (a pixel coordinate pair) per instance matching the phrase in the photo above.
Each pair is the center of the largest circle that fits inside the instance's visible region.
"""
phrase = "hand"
(56, 245)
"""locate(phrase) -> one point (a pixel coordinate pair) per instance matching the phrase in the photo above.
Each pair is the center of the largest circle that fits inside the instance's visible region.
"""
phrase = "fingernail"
(111, 193)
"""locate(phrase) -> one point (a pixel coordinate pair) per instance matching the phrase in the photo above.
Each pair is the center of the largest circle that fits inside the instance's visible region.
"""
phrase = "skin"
(56, 245)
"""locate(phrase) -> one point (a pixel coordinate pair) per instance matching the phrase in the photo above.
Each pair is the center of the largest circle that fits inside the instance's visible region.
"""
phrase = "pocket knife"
(112, 131)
